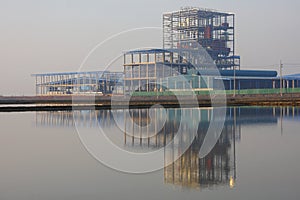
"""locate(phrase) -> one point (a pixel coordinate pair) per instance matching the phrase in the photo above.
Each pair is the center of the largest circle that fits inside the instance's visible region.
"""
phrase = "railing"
(209, 91)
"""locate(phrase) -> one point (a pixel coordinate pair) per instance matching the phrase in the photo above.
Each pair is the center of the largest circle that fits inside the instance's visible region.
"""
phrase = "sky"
(38, 36)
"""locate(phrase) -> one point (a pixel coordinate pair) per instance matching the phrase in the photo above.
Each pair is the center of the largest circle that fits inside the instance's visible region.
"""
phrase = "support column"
(36, 86)
(293, 83)
(124, 70)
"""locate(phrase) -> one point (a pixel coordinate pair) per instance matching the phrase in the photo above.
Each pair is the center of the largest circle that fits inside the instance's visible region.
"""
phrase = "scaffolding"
(156, 70)
(68, 83)
(213, 30)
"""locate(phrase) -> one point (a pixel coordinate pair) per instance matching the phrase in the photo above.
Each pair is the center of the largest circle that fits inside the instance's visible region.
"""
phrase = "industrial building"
(158, 70)
(190, 31)
(68, 83)
(155, 69)
(214, 31)
(190, 35)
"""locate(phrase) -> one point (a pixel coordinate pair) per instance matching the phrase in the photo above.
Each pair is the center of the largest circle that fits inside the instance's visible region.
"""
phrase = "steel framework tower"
(213, 30)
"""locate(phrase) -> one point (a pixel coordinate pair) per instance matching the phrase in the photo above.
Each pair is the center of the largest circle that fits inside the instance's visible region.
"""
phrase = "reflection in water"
(217, 168)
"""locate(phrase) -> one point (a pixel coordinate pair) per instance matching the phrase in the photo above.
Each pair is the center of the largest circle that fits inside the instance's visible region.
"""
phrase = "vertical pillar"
(124, 71)
(42, 84)
(140, 68)
(61, 84)
(155, 66)
(208, 85)
(131, 79)
(293, 83)
(147, 77)
(36, 86)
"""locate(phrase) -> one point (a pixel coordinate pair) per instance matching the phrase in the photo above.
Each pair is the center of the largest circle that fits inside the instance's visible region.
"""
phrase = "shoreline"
(56, 103)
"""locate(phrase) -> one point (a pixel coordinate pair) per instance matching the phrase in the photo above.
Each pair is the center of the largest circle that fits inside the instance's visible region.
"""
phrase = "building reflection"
(145, 129)
(215, 169)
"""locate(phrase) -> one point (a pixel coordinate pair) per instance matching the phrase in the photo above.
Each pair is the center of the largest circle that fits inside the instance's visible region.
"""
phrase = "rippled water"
(256, 156)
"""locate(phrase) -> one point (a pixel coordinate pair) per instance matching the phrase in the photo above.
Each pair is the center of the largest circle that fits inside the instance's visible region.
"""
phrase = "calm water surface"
(257, 155)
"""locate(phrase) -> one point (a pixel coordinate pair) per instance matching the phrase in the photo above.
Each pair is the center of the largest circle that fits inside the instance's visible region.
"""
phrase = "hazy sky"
(50, 36)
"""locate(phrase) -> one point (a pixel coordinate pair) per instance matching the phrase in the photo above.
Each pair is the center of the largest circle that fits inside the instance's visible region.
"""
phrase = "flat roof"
(146, 51)
(177, 50)
(72, 73)
(246, 78)
(289, 78)
(238, 73)
(197, 9)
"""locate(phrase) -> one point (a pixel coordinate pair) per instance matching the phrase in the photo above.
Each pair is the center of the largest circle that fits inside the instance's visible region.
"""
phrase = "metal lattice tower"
(213, 30)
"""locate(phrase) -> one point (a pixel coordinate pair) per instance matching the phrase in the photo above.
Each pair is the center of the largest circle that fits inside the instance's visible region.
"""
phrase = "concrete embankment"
(48, 103)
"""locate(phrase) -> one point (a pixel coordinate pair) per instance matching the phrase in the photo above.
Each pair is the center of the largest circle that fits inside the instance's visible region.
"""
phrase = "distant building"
(190, 36)
(68, 83)
(213, 30)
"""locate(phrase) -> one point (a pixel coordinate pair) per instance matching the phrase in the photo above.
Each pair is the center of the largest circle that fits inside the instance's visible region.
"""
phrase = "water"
(256, 156)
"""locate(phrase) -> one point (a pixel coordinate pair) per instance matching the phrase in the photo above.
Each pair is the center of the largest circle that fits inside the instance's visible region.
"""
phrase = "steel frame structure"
(146, 70)
(213, 30)
(68, 83)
